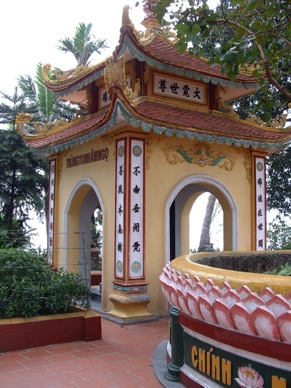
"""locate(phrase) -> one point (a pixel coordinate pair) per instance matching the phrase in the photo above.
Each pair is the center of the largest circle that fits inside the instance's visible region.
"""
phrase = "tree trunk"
(10, 210)
(205, 243)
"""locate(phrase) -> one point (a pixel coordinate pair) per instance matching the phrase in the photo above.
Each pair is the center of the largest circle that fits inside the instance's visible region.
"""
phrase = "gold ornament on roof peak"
(248, 69)
(278, 122)
(56, 75)
(134, 95)
(114, 72)
(26, 126)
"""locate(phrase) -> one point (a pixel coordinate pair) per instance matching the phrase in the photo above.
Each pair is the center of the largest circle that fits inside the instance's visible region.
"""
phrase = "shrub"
(282, 270)
(29, 287)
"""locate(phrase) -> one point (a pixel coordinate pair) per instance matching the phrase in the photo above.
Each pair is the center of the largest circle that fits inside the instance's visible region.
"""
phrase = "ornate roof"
(156, 49)
(160, 118)
(148, 112)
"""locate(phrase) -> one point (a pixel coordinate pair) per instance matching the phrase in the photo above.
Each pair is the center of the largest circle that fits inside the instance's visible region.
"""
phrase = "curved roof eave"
(66, 87)
(131, 44)
(128, 42)
(120, 111)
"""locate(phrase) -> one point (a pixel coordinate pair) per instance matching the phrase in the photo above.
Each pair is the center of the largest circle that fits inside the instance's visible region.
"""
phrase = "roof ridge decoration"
(279, 122)
(114, 73)
(25, 126)
(170, 68)
(126, 21)
(136, 43)
(56, 75)
(119, 110)
(83, 75)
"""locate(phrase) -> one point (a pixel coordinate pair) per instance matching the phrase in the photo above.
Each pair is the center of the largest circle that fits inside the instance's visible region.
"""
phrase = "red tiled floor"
(123, 358)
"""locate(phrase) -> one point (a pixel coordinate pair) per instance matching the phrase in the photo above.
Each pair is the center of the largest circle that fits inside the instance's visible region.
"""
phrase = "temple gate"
(153, 134)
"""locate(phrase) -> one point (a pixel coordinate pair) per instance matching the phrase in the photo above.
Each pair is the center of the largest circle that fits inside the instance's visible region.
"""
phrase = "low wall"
(236, 325)
(23, 333)
(96, 278)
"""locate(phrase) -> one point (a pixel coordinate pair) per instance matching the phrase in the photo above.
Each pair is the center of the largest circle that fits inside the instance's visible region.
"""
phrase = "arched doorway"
(82, 203)
(205, 218)
(178, 207)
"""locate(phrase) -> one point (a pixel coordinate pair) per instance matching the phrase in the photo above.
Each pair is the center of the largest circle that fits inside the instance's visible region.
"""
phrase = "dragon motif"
(201, 155)
(277, 123)
(56, 75)
(26, 126)
(115, 72)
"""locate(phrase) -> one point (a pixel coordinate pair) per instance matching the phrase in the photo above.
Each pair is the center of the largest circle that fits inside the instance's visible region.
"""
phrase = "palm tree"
(83, 44)
(44, 106)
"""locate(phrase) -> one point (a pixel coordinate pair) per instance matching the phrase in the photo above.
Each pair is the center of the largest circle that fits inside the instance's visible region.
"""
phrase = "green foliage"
(241, 35)
(44, 106)
(16, 237)
(11, 106)
(29, 287)
(283, 270)
(238, 35)
(22, 182)
(279, 234)
(279, 182)
(83, 44)
(96, 240)
(204, 249)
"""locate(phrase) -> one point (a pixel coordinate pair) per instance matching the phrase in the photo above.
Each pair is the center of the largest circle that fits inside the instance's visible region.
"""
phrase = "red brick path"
(123, 358)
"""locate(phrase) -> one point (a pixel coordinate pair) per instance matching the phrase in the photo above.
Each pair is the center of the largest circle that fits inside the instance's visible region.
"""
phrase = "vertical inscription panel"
(120, 209)
(51, 206)
(136, 209)
(260, 201)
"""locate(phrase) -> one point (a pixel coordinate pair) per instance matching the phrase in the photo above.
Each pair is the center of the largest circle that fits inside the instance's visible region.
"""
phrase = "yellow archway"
(182, 198)
(83, 200)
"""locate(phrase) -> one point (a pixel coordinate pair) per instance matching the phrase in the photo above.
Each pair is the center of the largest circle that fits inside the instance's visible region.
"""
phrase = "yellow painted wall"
(102, 173)
(161, 179)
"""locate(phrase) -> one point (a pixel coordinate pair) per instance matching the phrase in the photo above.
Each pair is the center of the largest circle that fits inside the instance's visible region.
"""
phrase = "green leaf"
(181, 46)
(195, 39)
(266, 117)
(258, 25)
(256, 73)
(240, 31)
(196, 29)
(251, 5)
(183, 29)
(230, 56)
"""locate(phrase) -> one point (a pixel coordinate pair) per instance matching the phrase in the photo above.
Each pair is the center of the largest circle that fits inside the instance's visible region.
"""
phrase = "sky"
(30, 32)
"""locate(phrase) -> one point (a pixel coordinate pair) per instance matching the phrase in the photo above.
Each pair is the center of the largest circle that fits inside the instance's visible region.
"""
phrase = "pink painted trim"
(244, 311)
